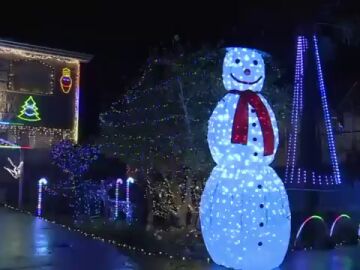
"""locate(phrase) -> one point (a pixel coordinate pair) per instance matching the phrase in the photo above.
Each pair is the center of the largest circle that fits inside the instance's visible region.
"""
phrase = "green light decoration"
(29, 111)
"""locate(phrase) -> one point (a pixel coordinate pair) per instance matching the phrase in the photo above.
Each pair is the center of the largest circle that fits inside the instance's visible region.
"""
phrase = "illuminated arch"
(304, 223)
(335, 222)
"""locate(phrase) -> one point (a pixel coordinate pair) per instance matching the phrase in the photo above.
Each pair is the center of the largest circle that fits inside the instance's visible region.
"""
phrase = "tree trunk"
(149, 203)
(75, 199)
(186, 113)
(187, 205)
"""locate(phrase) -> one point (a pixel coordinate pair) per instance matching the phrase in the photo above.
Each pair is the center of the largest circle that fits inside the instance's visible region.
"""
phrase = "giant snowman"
(244, 209)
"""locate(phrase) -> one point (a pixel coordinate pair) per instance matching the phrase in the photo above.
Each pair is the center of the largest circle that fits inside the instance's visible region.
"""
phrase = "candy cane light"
(42, 182)
(119, 182)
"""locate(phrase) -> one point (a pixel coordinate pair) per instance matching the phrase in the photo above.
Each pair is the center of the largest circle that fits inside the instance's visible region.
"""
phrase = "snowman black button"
(259, 186)
(254, 139)
(254, 124)
(261, 224)
(255, 154)
(262, 205)
(260, 244)
(253, 110)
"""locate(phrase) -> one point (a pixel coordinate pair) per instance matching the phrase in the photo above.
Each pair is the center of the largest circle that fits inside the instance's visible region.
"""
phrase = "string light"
(324, 103)
(74, 161)
(27, 54)
(129, 181)
(244, 209)
(110, 241)
(29, 111)
(10, 123)
(18, 62)
(336, 220)
(290, 172)
(123, 246)
(119, 181)
(139, 141)
(38, 136)
(130, 128)
(299, 73)
(42, 182)
(75, 131)
(10, 145)
(315, 217)
(15, 147)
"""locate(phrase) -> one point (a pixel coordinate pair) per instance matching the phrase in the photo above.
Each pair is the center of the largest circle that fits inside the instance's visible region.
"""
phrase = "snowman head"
(243, 69)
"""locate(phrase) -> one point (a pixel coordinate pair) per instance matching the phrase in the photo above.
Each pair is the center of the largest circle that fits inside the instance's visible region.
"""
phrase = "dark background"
(120, 36)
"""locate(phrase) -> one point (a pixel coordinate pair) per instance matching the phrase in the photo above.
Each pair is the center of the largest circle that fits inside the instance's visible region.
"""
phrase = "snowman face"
(243, 69)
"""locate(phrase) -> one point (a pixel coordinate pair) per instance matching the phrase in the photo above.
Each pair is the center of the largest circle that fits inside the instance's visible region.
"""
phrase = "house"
(39, 106)
(39, 94)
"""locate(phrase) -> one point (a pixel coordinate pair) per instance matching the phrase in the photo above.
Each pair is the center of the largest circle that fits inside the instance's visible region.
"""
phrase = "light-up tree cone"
(244, 209)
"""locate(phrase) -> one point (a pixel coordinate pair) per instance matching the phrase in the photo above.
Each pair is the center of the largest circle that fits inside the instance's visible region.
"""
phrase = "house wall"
(38, 97)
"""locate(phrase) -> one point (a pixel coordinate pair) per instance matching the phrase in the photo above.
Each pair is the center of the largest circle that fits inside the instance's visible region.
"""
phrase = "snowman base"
(245, 217)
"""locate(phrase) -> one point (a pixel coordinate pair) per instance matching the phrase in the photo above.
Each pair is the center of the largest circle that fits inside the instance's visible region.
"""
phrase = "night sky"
(120, 36)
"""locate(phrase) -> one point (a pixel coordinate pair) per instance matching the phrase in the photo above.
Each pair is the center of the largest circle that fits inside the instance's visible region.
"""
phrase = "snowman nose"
(247, 71)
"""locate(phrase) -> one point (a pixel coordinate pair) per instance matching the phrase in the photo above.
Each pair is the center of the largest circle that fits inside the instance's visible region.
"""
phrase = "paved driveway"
(28, 243)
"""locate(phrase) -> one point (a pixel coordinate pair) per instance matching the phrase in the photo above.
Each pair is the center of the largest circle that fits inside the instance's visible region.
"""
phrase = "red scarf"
(241, 120)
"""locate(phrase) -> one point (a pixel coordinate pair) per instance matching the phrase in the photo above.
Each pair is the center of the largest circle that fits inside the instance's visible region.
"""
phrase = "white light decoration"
(16, 171)
(42, 182)
(27, 53)
(244, 209)
(314, 217)
(119, 182)
(238, 62)
(129, 181)
(336, 221)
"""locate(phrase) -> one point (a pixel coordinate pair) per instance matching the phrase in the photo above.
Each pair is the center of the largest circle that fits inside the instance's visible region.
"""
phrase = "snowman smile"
(245, 82)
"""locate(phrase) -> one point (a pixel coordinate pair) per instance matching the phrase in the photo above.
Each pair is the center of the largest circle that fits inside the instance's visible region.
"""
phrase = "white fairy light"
(244, 209)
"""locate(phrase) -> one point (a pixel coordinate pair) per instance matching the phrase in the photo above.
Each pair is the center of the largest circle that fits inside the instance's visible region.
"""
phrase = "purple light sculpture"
(293, 174)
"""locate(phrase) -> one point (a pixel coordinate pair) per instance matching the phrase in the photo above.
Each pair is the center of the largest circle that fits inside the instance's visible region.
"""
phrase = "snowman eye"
(237, 60)
(255, 62)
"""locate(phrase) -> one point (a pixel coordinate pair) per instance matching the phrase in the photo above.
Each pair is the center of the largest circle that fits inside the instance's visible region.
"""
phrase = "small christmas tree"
(29, 111)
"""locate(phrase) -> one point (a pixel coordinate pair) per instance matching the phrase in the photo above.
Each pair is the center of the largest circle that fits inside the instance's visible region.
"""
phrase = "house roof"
(82, 57)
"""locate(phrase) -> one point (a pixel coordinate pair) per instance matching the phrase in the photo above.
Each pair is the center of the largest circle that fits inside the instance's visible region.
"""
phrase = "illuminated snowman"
(244, 209)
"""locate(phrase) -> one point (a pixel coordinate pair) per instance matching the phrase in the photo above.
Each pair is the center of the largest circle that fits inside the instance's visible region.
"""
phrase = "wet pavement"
(29, 243)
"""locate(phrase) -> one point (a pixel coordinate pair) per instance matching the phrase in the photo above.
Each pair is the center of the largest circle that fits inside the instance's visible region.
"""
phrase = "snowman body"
(244, 209)
(220, 129)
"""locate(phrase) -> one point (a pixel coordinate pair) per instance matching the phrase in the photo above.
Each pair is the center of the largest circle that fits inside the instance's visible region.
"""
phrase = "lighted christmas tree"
(159, 127)
(29, 111)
